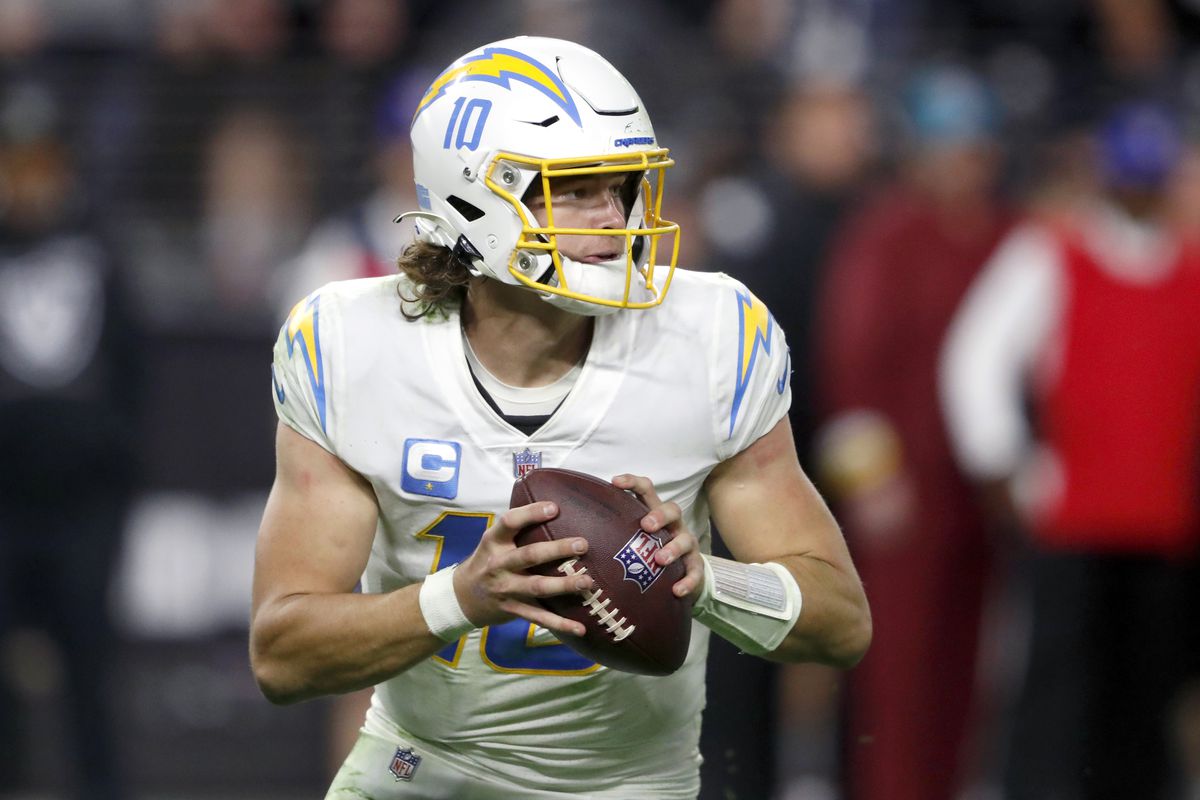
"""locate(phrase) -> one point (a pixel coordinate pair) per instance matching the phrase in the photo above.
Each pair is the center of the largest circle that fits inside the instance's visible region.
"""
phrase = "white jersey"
(668, 392)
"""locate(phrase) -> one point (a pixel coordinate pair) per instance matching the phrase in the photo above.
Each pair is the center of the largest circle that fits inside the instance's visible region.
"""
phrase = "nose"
(609, 212)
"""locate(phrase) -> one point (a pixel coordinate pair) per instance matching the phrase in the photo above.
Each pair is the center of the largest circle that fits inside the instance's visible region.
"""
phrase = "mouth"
(601, 258)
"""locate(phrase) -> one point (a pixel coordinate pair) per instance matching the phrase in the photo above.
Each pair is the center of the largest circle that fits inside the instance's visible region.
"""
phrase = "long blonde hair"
(437, 279)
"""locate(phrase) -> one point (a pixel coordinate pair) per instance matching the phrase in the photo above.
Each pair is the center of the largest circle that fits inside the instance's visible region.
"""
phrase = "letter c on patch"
(431, 461)
(431, 467)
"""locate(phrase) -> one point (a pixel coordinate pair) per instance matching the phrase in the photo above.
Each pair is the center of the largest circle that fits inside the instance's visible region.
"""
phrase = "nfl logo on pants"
(404, 764)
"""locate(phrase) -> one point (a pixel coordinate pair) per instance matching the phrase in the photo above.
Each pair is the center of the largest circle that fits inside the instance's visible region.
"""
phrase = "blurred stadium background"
(231, 155)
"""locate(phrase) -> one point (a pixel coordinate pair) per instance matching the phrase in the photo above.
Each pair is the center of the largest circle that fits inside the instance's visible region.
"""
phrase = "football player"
(528, 328)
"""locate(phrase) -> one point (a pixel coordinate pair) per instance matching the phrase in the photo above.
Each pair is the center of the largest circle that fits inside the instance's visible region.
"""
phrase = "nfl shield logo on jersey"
(404, 764)
(637, 557)
(526, 462)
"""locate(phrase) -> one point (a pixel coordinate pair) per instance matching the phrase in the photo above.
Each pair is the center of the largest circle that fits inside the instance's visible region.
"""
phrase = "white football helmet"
(526, 109)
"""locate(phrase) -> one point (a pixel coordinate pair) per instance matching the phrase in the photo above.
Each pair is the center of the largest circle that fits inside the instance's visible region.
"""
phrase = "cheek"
(565, 216)
(571, 246)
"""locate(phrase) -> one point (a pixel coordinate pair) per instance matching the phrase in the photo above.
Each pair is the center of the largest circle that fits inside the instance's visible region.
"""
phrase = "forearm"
(307, 645)
(761, 609)
(768, 512)
(834, 626)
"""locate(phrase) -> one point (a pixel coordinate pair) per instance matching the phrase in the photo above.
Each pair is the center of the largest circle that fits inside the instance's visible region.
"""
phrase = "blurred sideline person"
(896, 275)
(818, 149)
(256, 204)
(67, 390)
(527, 330)
(363, 242)
(1088, 316)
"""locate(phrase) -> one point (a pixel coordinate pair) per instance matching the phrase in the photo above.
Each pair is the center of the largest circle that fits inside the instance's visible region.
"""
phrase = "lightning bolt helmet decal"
(500, 66)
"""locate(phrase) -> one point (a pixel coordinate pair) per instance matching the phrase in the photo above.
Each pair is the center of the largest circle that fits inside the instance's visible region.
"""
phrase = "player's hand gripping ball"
(634, 621)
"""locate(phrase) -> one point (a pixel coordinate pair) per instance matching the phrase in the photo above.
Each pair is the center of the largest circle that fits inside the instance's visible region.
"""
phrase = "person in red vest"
(1071, 386)
(898, 271)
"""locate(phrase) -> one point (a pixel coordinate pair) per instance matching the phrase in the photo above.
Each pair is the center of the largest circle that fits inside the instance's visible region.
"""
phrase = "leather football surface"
(634, 621)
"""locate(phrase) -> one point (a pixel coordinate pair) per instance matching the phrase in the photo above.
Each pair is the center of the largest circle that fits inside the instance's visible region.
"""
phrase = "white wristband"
(439, 606)
(754, 606)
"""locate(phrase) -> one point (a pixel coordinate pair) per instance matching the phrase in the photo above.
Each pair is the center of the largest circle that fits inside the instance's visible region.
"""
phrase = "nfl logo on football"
(404, 764)
(637, 557)
(526, 462)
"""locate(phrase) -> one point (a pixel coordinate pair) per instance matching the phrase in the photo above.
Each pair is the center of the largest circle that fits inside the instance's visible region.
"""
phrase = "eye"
(568, 193)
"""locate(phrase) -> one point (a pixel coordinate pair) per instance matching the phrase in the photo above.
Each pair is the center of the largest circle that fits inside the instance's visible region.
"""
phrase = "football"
(634, 621)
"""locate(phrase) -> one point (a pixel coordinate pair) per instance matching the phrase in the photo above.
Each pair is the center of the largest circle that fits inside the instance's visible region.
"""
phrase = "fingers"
(668, 516)
(508, 572)
(680, 546)
(543, 617)
(531, 555)
(515, 584)
(640, 485)
(662, 515)
(513, 520)
(497, 572)
(690, 583)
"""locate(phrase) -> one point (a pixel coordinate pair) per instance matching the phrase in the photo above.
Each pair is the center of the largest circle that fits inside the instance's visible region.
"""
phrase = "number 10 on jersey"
(511, 646)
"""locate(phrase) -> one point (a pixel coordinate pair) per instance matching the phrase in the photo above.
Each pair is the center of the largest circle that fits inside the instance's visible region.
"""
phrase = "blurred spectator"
(773, 227)
(256, 207)
(248, 31)
(365, 43)
(750, 31)
(364, 241)
(769, 223)
(1136, 38)
(1185, 732)
(211, 60)
(179, 29)
(364, 32)
(233, 31)
(254, 210)
(23, 28)
(897, 273)
(1088, 316)
(67, 387)
(1183, 194)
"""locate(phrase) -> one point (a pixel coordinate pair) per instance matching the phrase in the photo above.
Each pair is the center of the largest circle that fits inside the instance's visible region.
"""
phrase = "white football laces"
(605, 616)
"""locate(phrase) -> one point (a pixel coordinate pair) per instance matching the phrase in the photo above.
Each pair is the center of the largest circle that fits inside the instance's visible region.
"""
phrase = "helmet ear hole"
(469, 212)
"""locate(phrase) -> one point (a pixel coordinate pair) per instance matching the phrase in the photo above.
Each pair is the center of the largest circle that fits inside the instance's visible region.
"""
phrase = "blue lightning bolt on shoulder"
(303, 329)
(755, 324)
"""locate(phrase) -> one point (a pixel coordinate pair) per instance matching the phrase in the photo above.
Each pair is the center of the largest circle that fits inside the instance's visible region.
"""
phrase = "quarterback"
(529, 326)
